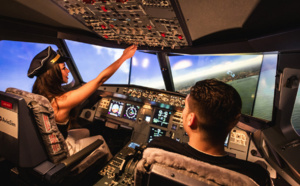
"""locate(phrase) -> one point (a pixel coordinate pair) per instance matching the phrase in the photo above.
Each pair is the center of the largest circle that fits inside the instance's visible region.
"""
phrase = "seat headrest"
(202, 170)
(31, 96)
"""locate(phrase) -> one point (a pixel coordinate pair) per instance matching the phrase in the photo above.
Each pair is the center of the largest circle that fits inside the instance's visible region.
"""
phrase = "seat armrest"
(63, 168)
(77, 157)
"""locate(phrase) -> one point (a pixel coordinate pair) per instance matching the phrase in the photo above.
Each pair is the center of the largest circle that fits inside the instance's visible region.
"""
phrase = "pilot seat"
(32, 143)
(160, 167)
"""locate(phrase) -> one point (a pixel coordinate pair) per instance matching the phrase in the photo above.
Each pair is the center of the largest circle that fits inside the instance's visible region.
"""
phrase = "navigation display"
(115, 108)
(161, 118)
(131, 111)
(155, 132)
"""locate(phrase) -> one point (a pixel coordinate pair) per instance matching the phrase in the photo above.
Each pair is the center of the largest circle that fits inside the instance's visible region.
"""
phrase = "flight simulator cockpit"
(251, 45)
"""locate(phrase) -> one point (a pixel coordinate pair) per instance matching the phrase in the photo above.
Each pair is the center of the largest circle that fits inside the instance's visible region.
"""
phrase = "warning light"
(106, 36)
(149, 27)
(6, 104)
(103, 26)
(103, 8)
(179, 37)
(163, 34)
(89, 1)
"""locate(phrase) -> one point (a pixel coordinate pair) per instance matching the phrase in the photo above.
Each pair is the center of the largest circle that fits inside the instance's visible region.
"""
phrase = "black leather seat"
(30, 140)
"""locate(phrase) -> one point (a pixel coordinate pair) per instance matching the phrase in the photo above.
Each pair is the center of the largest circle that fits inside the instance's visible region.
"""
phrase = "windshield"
(146, 71)
(240, 71)
(92, 59)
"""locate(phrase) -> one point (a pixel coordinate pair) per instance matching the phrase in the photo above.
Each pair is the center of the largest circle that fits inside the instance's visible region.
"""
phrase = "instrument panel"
(151, 113)
(131, 107)
(148, 121)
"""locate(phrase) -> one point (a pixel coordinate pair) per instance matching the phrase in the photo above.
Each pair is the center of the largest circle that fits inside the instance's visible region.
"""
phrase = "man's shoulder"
(253, 170)
(166, 143)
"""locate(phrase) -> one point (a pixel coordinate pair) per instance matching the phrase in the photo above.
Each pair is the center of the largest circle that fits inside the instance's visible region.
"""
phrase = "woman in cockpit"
(51, 72)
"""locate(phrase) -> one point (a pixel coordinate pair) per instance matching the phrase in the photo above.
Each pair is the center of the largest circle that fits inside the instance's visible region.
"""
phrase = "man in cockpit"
(211, 110)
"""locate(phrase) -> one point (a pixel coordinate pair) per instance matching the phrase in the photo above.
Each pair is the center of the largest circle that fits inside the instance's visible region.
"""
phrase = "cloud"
(145, 63)
(134, 61)
(125, 67)
(182, 65)
(98, 49)
(154, 82)
(114, 54)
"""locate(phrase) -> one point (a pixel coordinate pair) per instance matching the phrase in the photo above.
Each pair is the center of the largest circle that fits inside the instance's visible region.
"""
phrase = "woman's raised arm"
(73, 98)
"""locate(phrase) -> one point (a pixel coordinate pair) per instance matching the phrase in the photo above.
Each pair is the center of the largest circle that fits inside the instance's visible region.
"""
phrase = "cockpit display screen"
(226, 141)
(155, 132)
(161, 118)
(131, 111)
(115, 108)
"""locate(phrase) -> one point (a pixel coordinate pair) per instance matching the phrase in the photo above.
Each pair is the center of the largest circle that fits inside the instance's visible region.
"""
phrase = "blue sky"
(15, 59)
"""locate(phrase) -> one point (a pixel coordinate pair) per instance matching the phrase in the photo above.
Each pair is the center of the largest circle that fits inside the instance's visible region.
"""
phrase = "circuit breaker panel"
(144, 22)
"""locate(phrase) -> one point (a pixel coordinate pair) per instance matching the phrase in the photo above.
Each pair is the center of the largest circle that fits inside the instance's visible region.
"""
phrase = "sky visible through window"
(92, 59)
(146, 71)
(15, 59)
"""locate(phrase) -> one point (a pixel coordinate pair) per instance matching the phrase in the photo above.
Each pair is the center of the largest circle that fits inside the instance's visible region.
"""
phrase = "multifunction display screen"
(115, 108)
(155, 132)
(161, 118)
(131, 111)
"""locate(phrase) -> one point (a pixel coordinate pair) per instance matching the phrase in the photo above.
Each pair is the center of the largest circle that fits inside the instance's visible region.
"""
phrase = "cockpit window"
(240, 71)
(296, 114)
(265, 91)
(92, 59)
(15, 59)
(146, 71)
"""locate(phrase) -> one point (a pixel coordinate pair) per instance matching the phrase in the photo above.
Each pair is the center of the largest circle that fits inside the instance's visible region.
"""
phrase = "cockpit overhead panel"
(143, 22)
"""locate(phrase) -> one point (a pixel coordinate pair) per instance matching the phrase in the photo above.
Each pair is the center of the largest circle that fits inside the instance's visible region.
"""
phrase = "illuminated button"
(103, 8)
(163, 34)
(106, 36)
(149, 27)
(103, 26)
(179, 37)
(243, 137)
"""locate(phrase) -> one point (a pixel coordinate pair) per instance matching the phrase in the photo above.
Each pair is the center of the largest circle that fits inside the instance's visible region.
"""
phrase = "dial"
(131, 112)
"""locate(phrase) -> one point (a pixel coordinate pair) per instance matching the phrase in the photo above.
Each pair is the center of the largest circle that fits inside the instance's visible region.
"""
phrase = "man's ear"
(192, 120)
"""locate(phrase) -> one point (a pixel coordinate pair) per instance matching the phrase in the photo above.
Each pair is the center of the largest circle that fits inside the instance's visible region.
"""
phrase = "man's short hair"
(217, 104)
